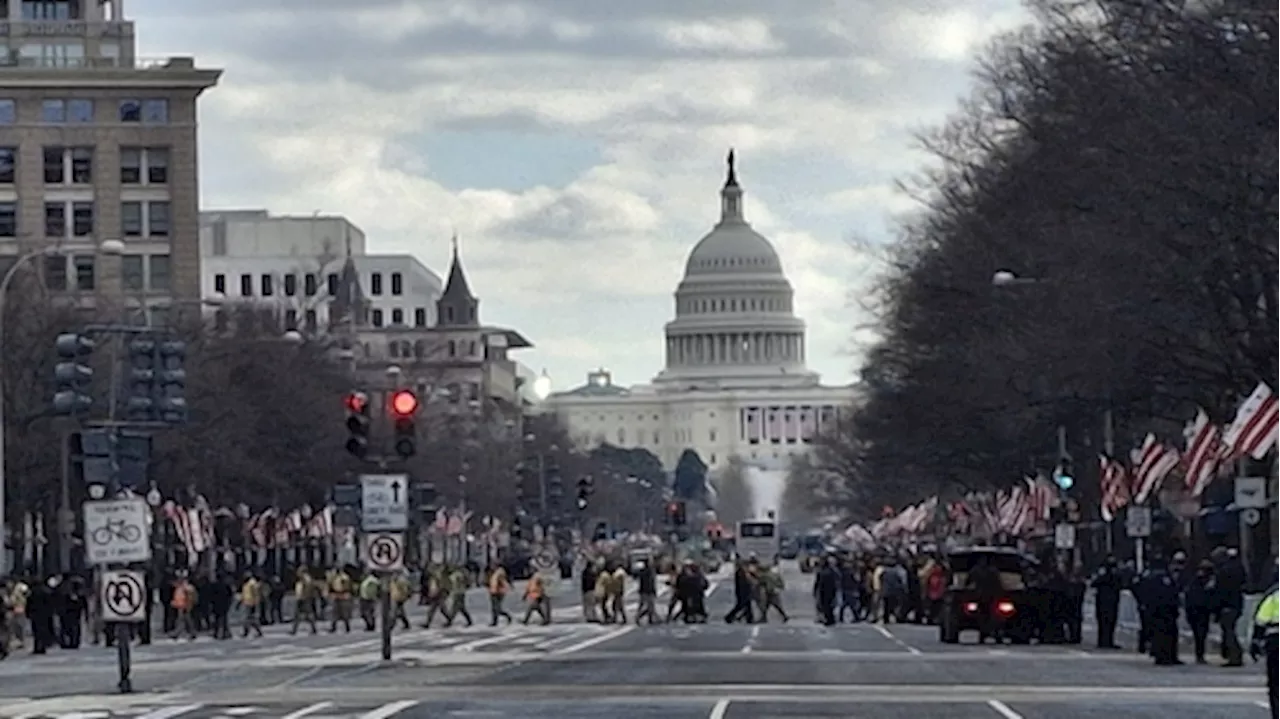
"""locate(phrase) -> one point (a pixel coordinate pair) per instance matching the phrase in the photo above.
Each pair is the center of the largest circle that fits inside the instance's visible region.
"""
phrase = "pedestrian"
(499, 587)
(1199, 600)
(340, 596)
(535, 597)
(456, 587)
(1230, 574)
(647, 582)
(1107, 586)
(251, 602)
(1265, 641)
(1163, 601)
(826, 586)
(306, 594)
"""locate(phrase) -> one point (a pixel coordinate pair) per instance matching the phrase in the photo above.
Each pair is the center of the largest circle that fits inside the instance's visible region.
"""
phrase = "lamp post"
(108, 247)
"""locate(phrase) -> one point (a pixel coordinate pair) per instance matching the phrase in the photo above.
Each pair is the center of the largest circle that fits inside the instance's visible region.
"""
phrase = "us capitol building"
(735, 381)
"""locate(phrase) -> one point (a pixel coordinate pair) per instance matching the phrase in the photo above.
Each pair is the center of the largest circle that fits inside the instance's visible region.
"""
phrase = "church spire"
(731, 193)
(457, 307)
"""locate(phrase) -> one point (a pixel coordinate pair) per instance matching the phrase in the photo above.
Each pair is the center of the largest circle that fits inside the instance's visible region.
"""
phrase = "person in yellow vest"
(183, 604)
(499, 586)
(401, 591)
(601, 596)
(251, 603)
(434, 595)
(370, 591)
(1266, 641)
(306, 594)
(535, 597)
(340, 597)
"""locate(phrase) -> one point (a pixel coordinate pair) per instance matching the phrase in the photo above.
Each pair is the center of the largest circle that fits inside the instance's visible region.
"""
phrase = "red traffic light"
(356, 402)
(404, 403)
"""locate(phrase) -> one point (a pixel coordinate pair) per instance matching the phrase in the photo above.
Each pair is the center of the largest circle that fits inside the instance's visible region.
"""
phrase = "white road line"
(746, 649)
(306, 711)
(620, 631)
(472, 645)
(1262, 704)
(720, 709)
(386, 711)
(880, 628)
(755, 631)
(1003, 709)
(171, 712)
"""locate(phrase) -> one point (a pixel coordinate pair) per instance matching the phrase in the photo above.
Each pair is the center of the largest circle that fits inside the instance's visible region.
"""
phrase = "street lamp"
(108, 247)
(542, 386)
(1007, 278)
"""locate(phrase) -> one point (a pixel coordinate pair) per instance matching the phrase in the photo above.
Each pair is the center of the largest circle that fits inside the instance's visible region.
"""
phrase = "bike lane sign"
(117, 531)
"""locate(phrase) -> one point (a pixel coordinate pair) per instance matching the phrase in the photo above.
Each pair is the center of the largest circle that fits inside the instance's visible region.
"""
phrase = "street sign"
(546, 559)
(116, 531)
(1064, 536)
(1137, 522)
(1251, 492)
(384, 502)
(384, 552)
(1251, 516)
(124, 596)
(346, 495)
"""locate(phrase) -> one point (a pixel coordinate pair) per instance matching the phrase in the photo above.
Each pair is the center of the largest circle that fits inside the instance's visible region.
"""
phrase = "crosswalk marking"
(171, 712)
(386, 711)
(308, 710)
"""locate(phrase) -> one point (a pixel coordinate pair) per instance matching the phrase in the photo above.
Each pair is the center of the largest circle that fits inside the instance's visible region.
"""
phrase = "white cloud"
(323, 107)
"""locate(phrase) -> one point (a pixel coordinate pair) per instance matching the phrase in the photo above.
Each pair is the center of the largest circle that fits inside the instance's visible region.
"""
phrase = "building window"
(8, 165)
(131, 273)
(81, 219)
(158, 273)
(246, 285)
(290, 285)
(53, 111)
(310, 318)
(309, 285)
(397, 316)
(54, 165)
(220, 283)
(8, 112)
(144, 166)
(332, 282)
(397, 284)
(84, 272)
(622, 436)
(131, 219)
(375, 284)
(268, 287)
(291, 319)
(58, 111)
(51, 10)
(55, 219)
(153, 111)
(420, 317)
(377, 318)
(55, 273)
(81, 159)
(8, 219)
(158, 219)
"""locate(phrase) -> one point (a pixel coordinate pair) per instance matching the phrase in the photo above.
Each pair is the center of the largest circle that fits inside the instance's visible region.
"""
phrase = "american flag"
(1203, 453)
(1152, 462)
(1254, 430)
(1115, 486)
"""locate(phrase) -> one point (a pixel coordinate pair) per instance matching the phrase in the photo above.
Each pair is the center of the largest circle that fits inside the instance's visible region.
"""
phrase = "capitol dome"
(734, 323)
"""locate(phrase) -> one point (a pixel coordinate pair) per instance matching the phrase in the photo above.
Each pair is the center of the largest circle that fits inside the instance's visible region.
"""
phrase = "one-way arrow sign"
(384, 505)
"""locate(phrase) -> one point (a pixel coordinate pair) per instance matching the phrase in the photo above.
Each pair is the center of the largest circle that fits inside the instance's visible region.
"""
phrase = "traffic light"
(676, 514)
(171, 381)
(73, 377)
(140, 403)
(1062, 475)
(404, 407)
(357, 404)
(585, 489)
(93, 461)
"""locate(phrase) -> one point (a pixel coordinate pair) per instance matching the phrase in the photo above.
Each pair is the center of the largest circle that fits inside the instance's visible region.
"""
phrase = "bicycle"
(117, 529)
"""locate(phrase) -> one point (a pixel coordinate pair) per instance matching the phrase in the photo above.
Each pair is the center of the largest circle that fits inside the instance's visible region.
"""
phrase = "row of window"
(74, 165)
(49, 9)
(378, 318)
(139, 273)
(735, 304)
(83, 111)
(269, 284)
(73, 218)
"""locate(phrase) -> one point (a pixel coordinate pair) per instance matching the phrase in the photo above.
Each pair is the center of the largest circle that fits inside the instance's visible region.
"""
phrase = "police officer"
(1107, 584)
(1160, 592)
(1265, 641)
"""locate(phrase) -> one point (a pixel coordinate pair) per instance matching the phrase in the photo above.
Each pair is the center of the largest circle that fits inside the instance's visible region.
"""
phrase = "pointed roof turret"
(457, 307)
(349, 303)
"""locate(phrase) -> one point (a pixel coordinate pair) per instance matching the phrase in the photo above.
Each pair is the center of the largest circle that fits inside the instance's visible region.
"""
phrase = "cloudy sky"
(578, 145)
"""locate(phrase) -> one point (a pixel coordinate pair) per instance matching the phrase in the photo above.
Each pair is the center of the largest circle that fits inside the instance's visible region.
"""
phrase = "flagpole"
(1109, 446)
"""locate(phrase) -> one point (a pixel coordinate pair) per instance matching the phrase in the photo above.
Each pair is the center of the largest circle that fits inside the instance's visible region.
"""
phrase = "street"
(574, 669)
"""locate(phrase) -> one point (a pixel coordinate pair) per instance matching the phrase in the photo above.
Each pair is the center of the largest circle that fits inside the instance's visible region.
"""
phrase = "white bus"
(758, 538)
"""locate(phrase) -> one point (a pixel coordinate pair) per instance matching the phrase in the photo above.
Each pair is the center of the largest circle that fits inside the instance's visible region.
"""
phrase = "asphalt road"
(571, 669)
